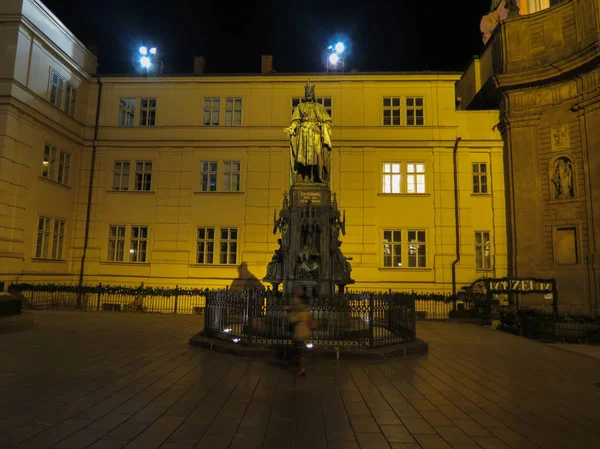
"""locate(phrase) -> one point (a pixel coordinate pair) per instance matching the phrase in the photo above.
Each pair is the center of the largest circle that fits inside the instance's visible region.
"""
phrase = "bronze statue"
(310, 140)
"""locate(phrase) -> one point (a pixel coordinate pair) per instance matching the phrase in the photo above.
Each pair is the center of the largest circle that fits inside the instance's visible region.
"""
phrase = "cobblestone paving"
(102, 380)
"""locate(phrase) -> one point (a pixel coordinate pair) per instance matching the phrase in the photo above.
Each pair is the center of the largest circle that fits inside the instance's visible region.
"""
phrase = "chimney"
(199, 65)
(266, 64)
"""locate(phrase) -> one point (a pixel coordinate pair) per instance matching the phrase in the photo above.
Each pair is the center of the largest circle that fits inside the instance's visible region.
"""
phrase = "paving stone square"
(114, 380)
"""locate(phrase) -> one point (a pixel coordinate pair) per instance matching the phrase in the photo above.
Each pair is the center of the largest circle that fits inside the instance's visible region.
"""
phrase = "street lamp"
(336, 56)
(147, 58)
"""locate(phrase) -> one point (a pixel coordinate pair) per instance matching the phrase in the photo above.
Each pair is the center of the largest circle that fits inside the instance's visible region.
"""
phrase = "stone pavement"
(104, 380)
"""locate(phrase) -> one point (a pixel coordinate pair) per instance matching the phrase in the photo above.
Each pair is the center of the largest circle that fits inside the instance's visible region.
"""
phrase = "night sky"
(390, 35)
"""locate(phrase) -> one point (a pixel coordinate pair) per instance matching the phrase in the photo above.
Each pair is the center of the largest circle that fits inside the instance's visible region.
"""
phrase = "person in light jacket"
(302, 324)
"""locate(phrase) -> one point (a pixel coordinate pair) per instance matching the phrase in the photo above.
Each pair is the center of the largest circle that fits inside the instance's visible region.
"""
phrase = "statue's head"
(309, 91)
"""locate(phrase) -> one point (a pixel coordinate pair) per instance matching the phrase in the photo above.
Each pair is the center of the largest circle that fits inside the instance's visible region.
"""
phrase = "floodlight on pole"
(334, 58)
(143, 50)
(340, 47)
(145, 62)
(153, 51)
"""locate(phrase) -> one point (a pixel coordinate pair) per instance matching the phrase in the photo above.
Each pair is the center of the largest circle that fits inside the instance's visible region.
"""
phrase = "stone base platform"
(396, 351)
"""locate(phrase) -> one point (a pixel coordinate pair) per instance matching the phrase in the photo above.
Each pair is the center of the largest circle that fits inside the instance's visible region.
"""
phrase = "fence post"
(99, 294)
(176, 298)
(249, 311)
(207, 312)
(371, 316)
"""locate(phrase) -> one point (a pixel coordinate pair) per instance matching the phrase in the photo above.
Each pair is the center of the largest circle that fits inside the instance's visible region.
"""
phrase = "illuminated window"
(205, 245)
(50, 239)
(392, 248)
(116, 244)
(483, 257)
(56, 165)
(212, 110)
(325, 101)
(391, 111)
(147, 112)
(480, 177)
(233, 112)
(414, 111)
(417, 249)
(126, 111)
(143, 175)
(63, 95)
(391, 177)
(231, 176)
(208, 176)
(415, 177)
(228, 246)
(121, 175)
(138, 244)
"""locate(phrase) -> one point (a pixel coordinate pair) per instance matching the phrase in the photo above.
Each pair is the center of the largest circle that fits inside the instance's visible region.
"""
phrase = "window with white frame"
(212, 111)
(137, 251)
(148, 112)
(233, 112)
(126, 111)
(231, 176)
(391, 177)
(325, 101)
(208, 176)
(414, 111)
(415, 177)
(391, 111)
(63, 95)
(205, 246)
(392, 248)
(480, 178)
(50, 239)
(417, 249)
(121, 175)
(143, 176)
(228, 246)
(56, 165)
(483, 256)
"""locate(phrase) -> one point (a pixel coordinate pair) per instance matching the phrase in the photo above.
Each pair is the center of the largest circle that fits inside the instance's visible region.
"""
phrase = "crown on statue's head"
(309, 89)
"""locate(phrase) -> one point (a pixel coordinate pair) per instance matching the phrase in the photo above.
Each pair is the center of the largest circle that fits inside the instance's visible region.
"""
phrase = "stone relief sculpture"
(500, 10)
(562, 178)
(275, 267)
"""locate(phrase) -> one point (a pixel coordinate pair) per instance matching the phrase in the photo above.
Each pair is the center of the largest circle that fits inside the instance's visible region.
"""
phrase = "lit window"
(139, 244)
(205, 245)
(147, 112)
(116, 244)
(417, 249)
(391, 178)
(414, 111)
(50, 239)
(480, 177)
(228, 246)
(121, 175)
(143, 176)
(63, 95)
(392, 249)
(56, 165)
(415, 178)
(233, 112)
(483, 258)
(208, 176)
(212, 110)
(126, 111)
(391, 111)
(231, 176)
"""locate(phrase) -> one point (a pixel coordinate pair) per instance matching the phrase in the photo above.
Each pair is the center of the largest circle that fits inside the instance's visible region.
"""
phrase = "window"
(138, 244)
(325, 101)
(417, 249)
(143, 175)
(233, 112)
(205, 245)
(392, 248)
(212, 110)
(483, 258)
(414, 111)
(208, 176)
(391, 111)
(391, 178)
(231, 176)
(121, 175)
(56, 165)
(415, 178)
(228, 250)
(480, 184)
(147, 112)
(565, 246)
(50, 239)
(62, 94)
(126, 111)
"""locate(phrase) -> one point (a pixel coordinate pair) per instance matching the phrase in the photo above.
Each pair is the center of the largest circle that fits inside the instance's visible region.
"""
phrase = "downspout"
(89, 199)
(456, 221)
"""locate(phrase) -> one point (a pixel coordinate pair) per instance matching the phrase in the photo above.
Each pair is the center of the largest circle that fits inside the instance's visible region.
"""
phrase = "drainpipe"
(456, 221)
(89, 200)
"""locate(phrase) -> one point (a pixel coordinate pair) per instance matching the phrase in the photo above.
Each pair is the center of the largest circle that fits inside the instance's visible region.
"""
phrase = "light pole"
(149, 62)
(336, 57)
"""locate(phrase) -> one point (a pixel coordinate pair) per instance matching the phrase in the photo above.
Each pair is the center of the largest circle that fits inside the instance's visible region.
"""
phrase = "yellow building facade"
(187, 171)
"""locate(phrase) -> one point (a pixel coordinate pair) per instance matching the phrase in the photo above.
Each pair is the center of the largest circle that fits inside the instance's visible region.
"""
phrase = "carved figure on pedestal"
(337, 224)
(563, 178)
(310, 140)
(308, 262)
(341, 261)
(275, 267)
(500, 10)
